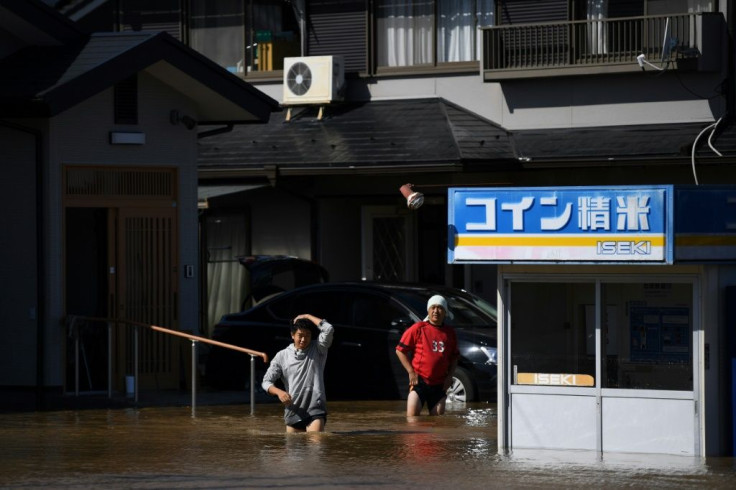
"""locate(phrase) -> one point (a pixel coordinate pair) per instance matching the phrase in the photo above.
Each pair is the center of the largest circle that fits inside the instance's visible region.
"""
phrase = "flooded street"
(366, 445)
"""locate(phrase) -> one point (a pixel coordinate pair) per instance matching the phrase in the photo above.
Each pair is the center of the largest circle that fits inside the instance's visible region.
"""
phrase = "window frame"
(429, 68)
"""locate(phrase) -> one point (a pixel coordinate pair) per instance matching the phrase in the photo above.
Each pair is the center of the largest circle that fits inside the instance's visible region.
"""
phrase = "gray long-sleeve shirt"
(303, 375)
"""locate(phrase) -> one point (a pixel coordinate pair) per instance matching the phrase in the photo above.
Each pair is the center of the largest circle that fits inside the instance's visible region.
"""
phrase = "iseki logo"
(616, 247)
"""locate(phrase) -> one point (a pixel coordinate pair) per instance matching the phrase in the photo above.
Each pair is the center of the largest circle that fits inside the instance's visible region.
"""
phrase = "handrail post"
(109, 360)
(135, 362)
(252, 384)
(194, 378)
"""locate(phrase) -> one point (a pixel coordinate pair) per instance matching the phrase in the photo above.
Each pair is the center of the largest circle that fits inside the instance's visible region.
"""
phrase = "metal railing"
(73, 325)
(589, 42)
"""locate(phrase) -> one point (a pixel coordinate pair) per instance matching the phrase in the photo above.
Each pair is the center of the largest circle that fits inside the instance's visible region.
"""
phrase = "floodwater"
(366, 445)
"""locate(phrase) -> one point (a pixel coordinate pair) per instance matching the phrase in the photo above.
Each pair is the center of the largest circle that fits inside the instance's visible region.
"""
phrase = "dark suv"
(369, 319)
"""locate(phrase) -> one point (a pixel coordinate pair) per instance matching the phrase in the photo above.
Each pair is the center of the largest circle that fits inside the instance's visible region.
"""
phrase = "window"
(272, 34)
(646, 334)
(648, 330)
(125, 105)
(332, 305)
(246, 35)
(374, 312)
(548, 331)
(216, 31)
(429, 32)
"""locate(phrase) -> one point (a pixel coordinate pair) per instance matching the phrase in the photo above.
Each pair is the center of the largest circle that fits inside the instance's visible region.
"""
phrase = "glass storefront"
(601, 362)
(646, 334)
(548, 328)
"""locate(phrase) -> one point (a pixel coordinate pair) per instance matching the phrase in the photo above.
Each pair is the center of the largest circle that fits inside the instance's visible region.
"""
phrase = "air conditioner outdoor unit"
(313, 79)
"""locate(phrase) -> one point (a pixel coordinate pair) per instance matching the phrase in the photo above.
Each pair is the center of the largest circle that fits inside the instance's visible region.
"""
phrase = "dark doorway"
(86, 295)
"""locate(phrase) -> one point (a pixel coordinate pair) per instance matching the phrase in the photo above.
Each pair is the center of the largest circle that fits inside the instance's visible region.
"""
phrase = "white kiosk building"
(614, 327)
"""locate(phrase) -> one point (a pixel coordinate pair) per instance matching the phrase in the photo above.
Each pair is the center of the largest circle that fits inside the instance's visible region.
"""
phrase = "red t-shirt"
(432, 350)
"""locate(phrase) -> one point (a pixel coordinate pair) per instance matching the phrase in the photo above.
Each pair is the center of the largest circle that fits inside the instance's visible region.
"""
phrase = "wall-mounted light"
(127, 138)
(413, 199)
(176, 118)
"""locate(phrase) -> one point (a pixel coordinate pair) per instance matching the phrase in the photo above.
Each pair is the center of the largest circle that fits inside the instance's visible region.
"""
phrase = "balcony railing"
(591, 46)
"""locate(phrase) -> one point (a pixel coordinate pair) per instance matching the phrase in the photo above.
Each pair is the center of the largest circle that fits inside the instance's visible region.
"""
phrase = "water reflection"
(366, 444)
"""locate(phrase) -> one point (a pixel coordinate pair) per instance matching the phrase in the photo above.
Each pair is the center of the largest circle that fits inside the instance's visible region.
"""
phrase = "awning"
(207, 192)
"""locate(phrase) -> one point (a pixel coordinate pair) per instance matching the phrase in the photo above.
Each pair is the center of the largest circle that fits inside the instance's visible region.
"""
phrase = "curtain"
(597, 37)
(226, 278)
(405, 30)
(405, 33)
(457, 28)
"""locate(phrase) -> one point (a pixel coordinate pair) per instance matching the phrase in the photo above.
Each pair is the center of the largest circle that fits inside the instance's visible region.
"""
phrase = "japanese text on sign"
(568, 224)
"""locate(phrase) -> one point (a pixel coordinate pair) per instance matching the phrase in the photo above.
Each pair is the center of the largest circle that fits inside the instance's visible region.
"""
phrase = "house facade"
(99, 164)
(490, 94)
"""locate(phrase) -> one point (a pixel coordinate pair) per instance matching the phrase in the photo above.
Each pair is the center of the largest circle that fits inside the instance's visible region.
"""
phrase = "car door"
(359, 364)
(342, 377)
(373, 326)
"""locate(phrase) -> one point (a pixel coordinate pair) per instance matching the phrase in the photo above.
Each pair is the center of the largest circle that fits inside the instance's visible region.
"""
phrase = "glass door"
(552, 367)
(604, 364)
(647, 365)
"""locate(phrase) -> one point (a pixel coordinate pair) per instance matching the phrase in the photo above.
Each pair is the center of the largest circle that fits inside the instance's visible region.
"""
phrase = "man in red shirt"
(428, 351)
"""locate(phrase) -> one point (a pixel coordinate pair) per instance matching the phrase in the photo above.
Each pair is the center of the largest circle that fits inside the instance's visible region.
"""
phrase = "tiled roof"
(612, 143)
(396, 133)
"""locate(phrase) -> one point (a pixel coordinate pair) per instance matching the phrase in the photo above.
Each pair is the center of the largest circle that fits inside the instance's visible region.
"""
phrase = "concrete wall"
(558, 102)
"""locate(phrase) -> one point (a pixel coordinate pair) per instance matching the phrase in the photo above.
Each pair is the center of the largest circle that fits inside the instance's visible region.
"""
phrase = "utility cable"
(695, 146)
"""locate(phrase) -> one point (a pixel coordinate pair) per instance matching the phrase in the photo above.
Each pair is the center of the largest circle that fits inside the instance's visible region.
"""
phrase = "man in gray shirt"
(301, 367)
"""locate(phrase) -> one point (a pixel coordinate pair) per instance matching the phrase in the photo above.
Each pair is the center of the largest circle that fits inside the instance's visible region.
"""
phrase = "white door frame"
(612, 408)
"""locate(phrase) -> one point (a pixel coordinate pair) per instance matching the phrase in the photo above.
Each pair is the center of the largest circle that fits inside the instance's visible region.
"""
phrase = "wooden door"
(146, 285)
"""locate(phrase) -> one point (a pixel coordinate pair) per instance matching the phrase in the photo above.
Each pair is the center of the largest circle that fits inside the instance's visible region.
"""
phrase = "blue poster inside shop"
(660, 334)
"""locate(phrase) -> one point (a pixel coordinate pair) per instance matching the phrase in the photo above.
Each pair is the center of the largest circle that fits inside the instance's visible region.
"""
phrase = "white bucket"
(130, 385)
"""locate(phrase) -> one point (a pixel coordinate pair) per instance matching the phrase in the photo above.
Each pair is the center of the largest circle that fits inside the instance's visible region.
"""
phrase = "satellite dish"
(299, 78)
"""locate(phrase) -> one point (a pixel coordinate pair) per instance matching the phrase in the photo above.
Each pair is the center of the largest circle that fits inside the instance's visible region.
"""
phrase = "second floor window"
(246, 35)
(429, 32)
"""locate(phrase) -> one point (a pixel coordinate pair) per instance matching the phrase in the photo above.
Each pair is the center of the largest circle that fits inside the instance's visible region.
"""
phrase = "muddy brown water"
(366, 445)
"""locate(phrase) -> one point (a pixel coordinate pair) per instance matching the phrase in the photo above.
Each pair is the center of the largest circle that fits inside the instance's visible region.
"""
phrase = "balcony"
(583, 47)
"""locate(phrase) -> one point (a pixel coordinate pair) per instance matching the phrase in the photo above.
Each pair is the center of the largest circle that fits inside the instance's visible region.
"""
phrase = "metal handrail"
(193, 338)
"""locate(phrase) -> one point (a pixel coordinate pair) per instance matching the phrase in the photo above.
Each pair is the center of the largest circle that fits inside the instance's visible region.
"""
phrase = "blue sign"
(705, 223)
(549, 225)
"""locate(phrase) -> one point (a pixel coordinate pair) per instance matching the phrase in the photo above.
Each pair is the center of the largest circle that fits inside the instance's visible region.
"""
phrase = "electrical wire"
(695, 146)
(710, 136)
(691, 92)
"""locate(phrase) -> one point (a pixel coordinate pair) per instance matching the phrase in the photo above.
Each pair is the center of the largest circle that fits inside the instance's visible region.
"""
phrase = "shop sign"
(567, 224)
(554, 379)
(705, 223)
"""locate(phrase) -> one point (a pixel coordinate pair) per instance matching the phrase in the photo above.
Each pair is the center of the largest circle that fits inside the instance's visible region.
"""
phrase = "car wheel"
(461, 390)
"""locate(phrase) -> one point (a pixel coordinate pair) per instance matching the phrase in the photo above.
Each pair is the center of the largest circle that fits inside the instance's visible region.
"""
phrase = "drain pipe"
(40, 313)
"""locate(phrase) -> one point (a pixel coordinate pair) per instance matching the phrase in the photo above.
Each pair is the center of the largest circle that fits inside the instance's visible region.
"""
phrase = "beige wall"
(80, 136)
